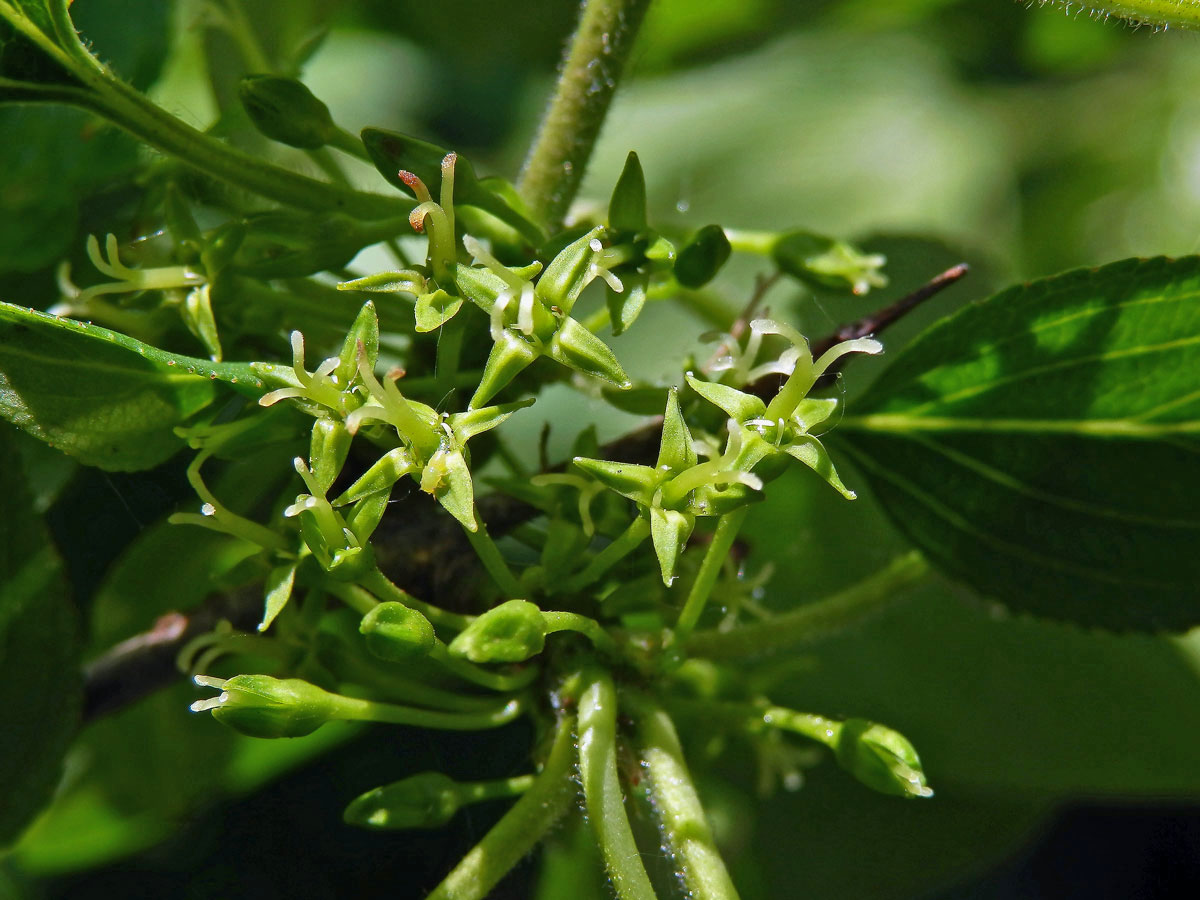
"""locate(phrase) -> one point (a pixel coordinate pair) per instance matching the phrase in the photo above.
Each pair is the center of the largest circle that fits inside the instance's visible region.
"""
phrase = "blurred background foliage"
(1022, 140)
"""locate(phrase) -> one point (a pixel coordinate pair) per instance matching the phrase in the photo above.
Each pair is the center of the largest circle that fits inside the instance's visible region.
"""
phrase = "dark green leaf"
(1042, 445)
(104, 398)
(40, 690)
(627, 208)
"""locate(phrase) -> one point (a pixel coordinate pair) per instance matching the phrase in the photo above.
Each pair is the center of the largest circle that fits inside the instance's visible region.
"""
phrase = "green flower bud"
(627, 208)
(511, 632)
(703, 256)
(427, 800)
(396, 633)
(266, 707)
(880, 758)
(824, 262)
(286, 111)
(570, 271)
(576, 347)
(328, 449)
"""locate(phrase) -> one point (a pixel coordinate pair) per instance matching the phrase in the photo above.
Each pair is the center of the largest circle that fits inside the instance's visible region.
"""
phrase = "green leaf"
(627, 208)
(1041, 445)
(40, 689)
(703, 256)
(104, 398)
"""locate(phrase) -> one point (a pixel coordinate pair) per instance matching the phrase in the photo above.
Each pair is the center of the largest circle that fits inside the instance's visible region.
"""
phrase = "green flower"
(761, 431)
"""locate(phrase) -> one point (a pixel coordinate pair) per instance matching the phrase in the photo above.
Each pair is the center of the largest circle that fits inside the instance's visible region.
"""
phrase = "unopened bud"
(881, 758)
(266, 707)
(427, 800)
(286, 111)
(396, 633)
(511, 632)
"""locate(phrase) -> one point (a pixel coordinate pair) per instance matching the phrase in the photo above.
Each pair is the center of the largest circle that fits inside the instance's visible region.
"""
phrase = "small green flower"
(396, 633)
(509, 633)
(760, 431)
(881, 758)
(667, 492)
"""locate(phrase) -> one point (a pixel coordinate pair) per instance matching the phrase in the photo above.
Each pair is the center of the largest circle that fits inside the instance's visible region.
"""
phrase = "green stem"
(468, 671)
(815, 620)
(628, 541)
(760, 243)
(679, 809)
(594, 61)
(356, 709)
(381, 586)
(589, 628)
(493, 562)
(602, 787)
(710, 568)
(360, 671)
(349, 144)
(544, 803)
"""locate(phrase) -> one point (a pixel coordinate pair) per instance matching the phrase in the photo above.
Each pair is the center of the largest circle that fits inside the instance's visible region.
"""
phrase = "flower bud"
(396, 633)
(327, 450)
(286, 111)
(824, 262)
(627, 208)
(511, 632)
(427, 800)
(881, 758)
(266, 707)
(703, 256)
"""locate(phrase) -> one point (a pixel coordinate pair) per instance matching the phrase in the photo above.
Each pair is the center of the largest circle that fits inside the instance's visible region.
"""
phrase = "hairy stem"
(543, 804)
(602, 787)
(683, 821)
(591, 69)
(815, 620)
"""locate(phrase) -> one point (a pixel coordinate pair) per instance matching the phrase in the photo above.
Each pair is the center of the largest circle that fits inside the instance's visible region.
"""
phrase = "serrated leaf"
(1042, 445)
(40, 689)
(104, 398)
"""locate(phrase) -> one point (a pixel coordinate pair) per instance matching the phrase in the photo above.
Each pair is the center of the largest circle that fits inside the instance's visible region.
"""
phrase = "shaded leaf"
(1042, 445)
(40, 689)
(102, 397)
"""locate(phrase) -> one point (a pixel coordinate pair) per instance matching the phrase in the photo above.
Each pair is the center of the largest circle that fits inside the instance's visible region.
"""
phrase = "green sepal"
(812, 453)
(280, 582)
(466, 425)
(435, 309)
(627, 208)
(577, 348)
(482, 286)
(702, 257)
(813, 411)
(569, 272)
(719, 499)
(266, 707)
(881, 758)
(404, 281)
(364, 517)
(392, 152)
(510, 355)
(396, 633)
(511, 632)
(738, 405)
(638, 483)
(328, 448)
(384, 473)
(286, 111)
(426, 800)
(669, 531)
(660, 250)
(198, 316)
(365, 331)
(675, 451)
(349, 564)
(825, 262)
(447, 477)
(626, 306)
